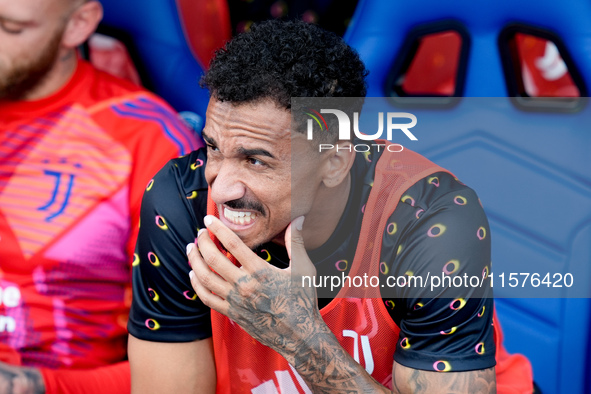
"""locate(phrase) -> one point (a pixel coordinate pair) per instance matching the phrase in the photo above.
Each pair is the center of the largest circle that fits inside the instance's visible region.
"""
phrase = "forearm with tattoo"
(287, 319)
(269, 305)
(328, 368)
(277, 317)
(291, 324)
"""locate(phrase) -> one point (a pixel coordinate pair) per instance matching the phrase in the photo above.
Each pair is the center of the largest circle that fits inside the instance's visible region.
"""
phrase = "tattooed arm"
(20, 380)
(327, 368)
(263, 301)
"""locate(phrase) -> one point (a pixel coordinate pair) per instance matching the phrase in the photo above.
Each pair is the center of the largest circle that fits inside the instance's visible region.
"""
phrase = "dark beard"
(23, 78)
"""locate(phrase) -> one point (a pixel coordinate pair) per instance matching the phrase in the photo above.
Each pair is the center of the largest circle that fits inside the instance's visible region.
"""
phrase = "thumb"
(293, 236)
(300, 263)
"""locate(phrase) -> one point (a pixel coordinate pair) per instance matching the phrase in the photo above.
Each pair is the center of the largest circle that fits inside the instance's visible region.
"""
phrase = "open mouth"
(241, 218)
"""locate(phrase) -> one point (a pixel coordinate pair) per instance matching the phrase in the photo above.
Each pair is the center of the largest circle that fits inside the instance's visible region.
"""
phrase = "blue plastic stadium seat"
(532, 176)
(159, 41)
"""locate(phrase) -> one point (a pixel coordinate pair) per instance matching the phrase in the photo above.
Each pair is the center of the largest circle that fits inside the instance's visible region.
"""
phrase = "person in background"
(77, 149)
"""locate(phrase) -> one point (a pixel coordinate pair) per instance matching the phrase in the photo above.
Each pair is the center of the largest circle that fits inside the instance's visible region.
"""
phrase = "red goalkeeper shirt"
(73, 168)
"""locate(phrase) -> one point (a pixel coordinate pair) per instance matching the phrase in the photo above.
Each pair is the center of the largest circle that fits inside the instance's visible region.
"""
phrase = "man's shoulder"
(431, 187)
(131, 114)
(437, 190)
(184, 175)
(103, 90)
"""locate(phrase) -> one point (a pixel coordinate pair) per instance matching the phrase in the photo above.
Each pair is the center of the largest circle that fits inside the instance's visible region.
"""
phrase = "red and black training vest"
(358, 318)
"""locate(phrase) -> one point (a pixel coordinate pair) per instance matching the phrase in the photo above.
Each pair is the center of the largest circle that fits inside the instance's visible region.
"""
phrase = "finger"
(211, 300)
(233, 244)
(204, 275)
(300, 262)
(298, 223)
(217, 260)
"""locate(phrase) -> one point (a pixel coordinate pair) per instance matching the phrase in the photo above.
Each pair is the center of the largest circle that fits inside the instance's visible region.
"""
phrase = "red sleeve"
(113, 379)
(514, 371)
(153, 133)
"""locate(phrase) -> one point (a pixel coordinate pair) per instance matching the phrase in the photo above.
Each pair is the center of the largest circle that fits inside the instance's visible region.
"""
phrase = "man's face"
(249, 169)
(30, 36)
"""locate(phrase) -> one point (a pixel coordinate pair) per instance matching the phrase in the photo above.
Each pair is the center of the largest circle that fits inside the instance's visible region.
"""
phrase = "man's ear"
(339, 163)
(82, 23)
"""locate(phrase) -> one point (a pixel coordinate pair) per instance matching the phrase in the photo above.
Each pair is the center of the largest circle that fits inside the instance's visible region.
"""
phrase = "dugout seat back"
(171, 41)
(529, 165)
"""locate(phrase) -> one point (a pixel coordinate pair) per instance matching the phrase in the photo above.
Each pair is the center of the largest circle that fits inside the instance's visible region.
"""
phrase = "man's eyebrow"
(242, 151)
(210, 141)
(255, 152)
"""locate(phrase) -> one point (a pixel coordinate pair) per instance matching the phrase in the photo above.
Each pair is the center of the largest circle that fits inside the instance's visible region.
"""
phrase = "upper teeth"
(239, 217)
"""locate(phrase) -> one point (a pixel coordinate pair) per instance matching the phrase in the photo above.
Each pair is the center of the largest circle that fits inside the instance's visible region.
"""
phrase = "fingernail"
(190, 247)
(208, 220)
(192, 275)
(299, 223)
(199, 232)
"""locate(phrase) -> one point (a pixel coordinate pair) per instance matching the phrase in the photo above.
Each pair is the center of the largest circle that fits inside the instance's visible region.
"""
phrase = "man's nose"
(226, 184)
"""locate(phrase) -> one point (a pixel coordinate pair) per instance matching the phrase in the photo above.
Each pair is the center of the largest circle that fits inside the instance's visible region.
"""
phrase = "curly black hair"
(283, 59)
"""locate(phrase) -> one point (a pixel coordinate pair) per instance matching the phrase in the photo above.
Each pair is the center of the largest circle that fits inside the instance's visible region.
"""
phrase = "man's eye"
(11, 28)
(256, 162)
(211, 148)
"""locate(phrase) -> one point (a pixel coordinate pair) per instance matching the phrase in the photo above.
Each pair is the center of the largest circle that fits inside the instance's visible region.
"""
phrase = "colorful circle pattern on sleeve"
(439, 227)
(165, 307)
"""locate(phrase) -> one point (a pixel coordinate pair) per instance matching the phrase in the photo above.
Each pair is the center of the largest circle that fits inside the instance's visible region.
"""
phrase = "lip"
(234, 226)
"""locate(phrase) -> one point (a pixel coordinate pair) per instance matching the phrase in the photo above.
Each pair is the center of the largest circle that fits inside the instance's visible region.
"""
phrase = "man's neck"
(322, 221)
(57, 77)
